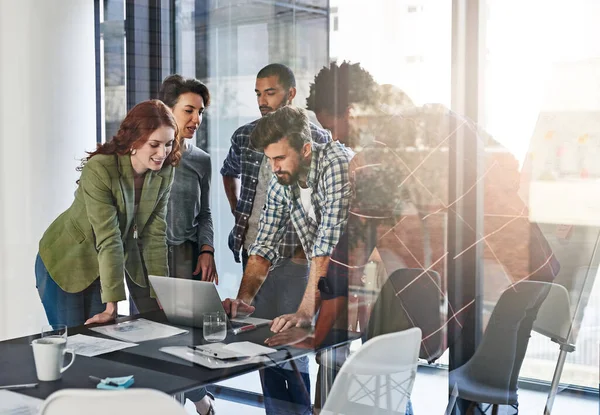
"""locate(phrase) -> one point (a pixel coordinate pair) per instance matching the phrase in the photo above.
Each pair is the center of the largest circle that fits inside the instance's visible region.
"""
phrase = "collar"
(311, 177)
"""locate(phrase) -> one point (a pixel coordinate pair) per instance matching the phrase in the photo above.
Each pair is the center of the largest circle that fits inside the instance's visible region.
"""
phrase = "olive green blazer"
(94, 237)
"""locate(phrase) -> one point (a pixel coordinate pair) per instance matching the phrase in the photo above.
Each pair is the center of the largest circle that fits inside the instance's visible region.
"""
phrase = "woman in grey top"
(189, 221)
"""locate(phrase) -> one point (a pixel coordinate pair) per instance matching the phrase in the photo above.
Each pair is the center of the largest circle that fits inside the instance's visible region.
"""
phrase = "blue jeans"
(71, 309)
(285, 390)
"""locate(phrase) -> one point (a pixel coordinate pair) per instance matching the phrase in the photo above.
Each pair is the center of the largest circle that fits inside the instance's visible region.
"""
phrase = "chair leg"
(555, 381)
(495, 410)
(471, 409)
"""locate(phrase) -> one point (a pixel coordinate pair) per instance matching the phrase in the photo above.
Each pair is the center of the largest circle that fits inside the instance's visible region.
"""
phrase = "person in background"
(93, 248)
(189, 220)
(337, 92)
(246, 175)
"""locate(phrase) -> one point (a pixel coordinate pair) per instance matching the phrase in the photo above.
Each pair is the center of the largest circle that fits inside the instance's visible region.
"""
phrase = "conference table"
(151, 368)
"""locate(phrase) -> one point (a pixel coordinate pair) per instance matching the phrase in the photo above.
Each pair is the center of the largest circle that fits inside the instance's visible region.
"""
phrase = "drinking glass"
(214, 328)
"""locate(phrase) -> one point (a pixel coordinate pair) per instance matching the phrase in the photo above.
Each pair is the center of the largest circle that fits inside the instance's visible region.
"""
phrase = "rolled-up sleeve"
(334, 214)
(232, 165)
(272, 223)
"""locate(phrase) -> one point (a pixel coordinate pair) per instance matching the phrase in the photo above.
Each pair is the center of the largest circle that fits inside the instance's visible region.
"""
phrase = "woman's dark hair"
(139, 124)
(175, 85)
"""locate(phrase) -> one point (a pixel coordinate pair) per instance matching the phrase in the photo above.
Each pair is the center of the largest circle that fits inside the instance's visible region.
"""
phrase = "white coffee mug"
(48, 354)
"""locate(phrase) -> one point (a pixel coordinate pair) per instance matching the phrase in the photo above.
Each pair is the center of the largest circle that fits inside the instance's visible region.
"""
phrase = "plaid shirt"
(329, 180)
(242, 160)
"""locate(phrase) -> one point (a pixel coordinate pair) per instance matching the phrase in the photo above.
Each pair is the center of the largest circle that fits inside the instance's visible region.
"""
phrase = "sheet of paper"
(140, 330)
(248, 349)
(93, 346)
(233, 350)
(188, 354)
(12, 403)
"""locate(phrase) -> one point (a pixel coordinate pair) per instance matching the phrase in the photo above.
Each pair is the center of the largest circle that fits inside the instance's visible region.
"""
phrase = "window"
(540, 92)
(112, 53)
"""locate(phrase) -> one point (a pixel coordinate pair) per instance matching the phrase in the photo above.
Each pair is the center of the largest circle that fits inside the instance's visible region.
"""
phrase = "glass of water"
(214, 328)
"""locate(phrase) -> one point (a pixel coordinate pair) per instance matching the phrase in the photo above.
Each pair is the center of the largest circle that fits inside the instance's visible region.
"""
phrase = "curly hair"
(337, 87)
(139, 124)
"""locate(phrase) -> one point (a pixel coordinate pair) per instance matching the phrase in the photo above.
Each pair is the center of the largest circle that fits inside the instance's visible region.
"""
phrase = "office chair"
(491, 374)
(378, 378)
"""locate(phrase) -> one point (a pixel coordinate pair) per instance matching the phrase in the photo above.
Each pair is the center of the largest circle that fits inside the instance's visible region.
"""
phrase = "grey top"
(260, 197)
(188, 214)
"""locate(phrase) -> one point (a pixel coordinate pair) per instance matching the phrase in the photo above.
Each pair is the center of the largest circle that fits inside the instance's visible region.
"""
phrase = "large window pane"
(112, 30)
(541, 90)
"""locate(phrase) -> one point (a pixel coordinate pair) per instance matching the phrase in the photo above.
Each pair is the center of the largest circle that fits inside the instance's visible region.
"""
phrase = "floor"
(430, 383)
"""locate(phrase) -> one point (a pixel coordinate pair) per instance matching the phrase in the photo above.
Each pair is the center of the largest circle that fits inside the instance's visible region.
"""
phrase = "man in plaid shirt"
(275, 88)
(282, 292)
(311, 188)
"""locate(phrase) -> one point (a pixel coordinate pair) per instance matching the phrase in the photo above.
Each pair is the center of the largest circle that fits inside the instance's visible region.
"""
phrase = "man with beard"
(246, 173)
(310, 187)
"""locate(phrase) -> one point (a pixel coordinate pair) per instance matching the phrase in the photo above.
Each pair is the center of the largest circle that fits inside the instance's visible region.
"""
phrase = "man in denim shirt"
(246, 172)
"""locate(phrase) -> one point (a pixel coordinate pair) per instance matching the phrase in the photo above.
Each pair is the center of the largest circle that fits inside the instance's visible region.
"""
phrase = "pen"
(243, 329)
(109, 383)
(210, 353)
(22, 386)
(205, 352)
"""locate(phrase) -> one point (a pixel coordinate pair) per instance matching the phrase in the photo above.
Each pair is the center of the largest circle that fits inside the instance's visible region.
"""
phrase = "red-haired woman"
(115, 230)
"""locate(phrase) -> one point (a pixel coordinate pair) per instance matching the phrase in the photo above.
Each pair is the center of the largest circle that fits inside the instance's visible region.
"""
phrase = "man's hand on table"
(288, 321)
(237, 307)
(296, 336)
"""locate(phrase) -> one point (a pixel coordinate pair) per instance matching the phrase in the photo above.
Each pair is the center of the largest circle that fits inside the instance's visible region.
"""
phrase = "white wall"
(47, 121)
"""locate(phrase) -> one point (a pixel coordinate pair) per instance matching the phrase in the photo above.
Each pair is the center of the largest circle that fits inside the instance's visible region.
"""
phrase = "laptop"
(186, 301)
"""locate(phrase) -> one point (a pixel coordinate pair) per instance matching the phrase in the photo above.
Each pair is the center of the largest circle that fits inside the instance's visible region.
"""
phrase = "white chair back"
(378, 378)
(114, 402)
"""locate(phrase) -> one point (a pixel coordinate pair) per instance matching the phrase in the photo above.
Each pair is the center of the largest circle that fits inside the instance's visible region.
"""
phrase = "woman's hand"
(109, 314)
(206, 265)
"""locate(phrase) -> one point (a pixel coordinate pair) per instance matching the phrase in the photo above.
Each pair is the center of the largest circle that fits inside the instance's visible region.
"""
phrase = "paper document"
(12, 403)
(139, 330)
(247, 349)
(190, 355)
(233, 350)
(93, 346)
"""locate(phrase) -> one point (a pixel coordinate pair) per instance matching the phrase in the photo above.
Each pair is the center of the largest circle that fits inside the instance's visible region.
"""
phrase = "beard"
(264, 110)
(286, 178)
